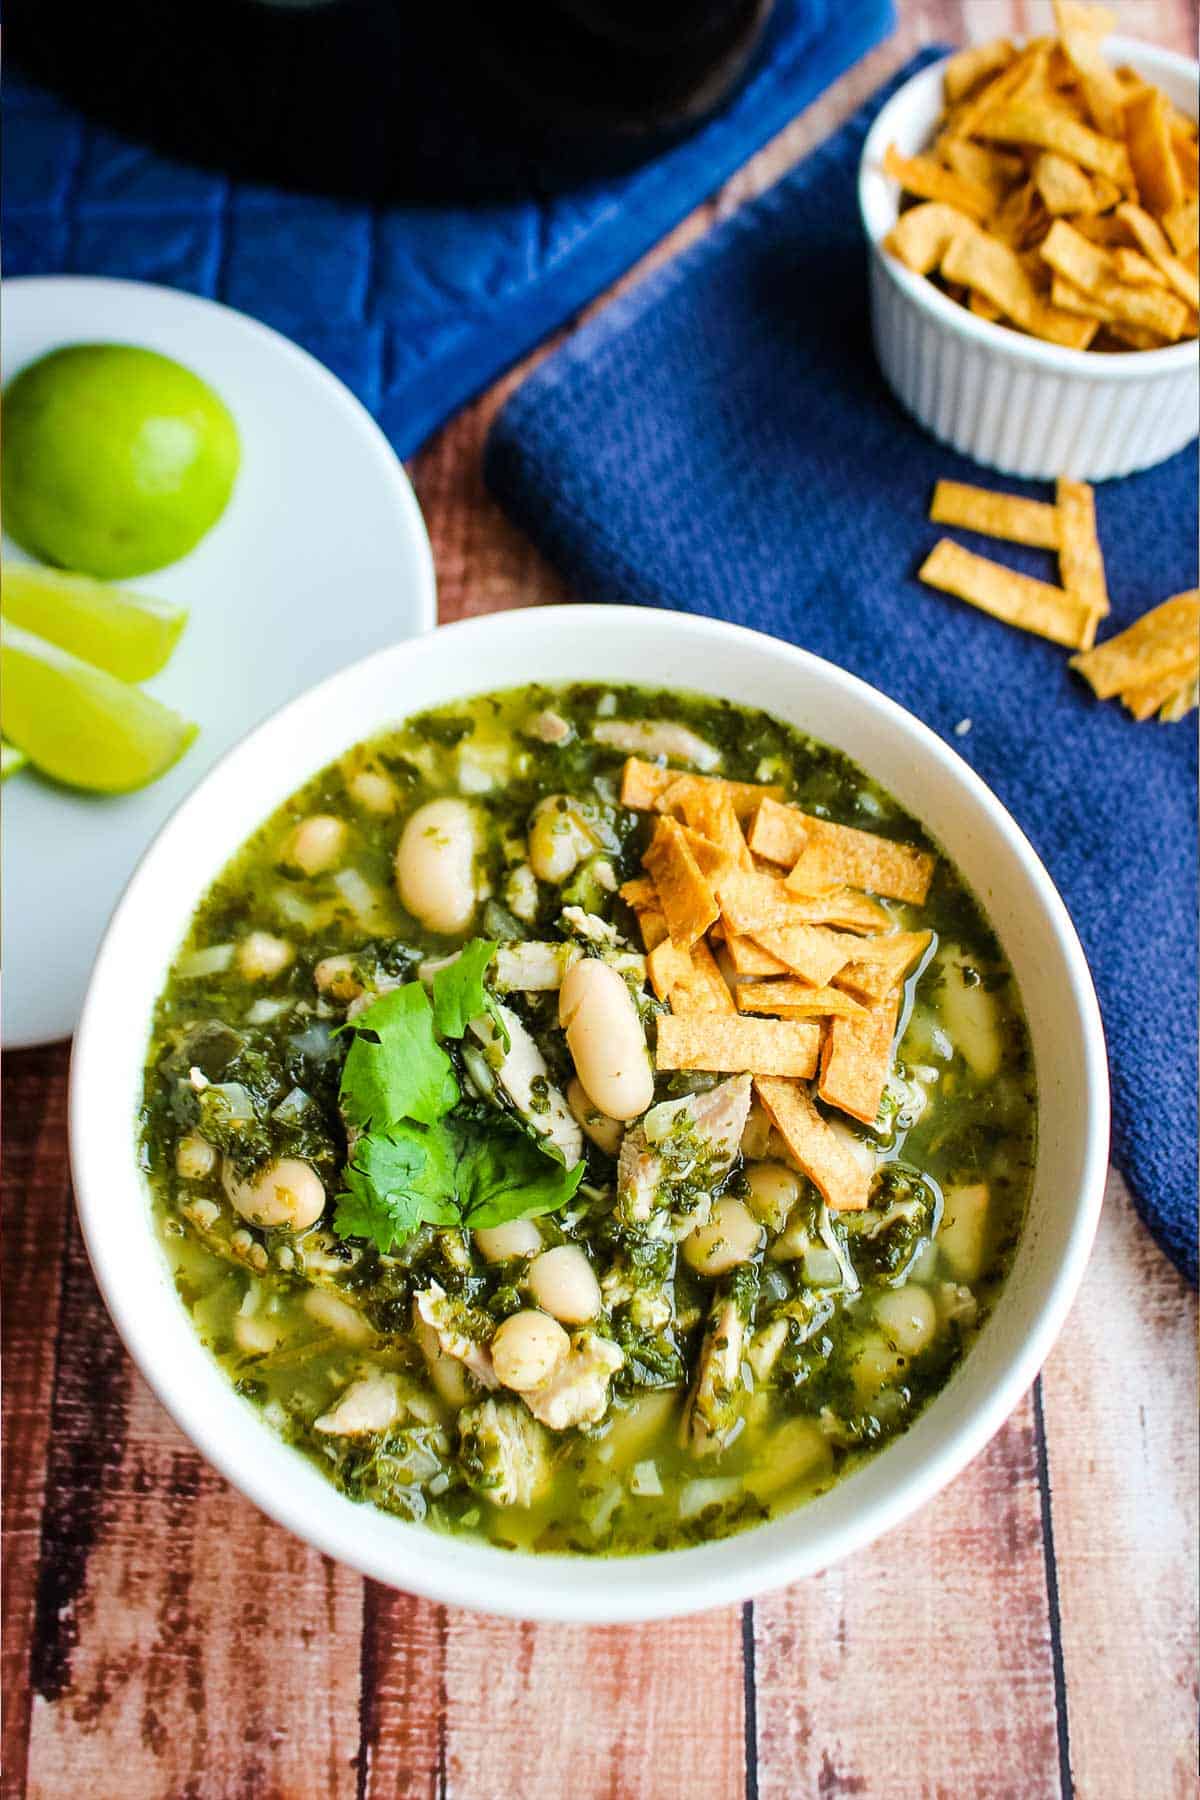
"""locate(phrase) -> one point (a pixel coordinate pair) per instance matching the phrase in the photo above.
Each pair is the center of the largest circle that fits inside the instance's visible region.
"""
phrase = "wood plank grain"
(1120, 1400)
(36, 1200)
(924, 1665)
(182, 1639)
(649, 1712)
(403, 1751)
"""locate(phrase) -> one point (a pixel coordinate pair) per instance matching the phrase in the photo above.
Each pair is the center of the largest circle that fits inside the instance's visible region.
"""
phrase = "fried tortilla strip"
(777, 833)
(1135, 269)
(856, 1060)
(687, 901)
(791, 999)
(1018, 600)
(1182, 226)
(708, 809)
(1070, 254)
(967, 68)
(882, 964)
(1008, 516)
(1155, 247)
(667, 966)
(1080, 37)
(639, 893)
(995, 170)
(983, 262)
(1024, 77)
(701, 987)
(644, 787)
(1161, 642)
(1151, 157)
(711, 860)
(738, 1046)
(1143, 702)
(921, 236)
(814, 1146)
(928, 180)
(1080, 562)
(1048, 128)
(653, 926)
(860, 859)
(749, 958)
(754, 902)
(1062, 184)
(1185, 700)
(810, 951)
(1077, 16)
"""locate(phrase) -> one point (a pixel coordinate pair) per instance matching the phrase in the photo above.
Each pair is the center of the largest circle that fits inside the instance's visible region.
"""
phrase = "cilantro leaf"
(396, 1182)
(458, 991)
(502, 1176)
(396, 1069)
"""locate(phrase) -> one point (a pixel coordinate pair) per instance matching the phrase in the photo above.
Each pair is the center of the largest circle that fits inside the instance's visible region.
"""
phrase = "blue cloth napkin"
(720, 441)
(416, 308)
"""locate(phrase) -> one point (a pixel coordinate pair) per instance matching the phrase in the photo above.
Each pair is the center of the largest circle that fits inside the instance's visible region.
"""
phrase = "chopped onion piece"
(212, 961)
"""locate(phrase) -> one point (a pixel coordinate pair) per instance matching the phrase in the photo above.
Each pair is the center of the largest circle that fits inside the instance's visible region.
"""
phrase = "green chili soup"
(591, 1119)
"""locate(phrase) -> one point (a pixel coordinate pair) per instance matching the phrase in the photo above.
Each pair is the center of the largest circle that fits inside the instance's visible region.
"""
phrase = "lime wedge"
(11, 759)
(79, 723)
(130, 635)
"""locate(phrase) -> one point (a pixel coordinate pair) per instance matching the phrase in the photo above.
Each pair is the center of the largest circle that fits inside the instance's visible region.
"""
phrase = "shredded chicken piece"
(503, 1453)
(436, 1308)
(522, 1072)
(547, 728)
(370, 1404)
(657, 737)
(707, 1126)
(714, 1409)
(576, 1393)
(533, 967)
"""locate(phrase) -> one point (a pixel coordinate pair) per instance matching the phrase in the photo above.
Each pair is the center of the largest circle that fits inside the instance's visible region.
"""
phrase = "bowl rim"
(875, 190)
(576, 1588)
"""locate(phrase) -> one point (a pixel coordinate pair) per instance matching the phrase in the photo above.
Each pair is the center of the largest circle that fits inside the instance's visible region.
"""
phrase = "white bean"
(256, 1336)
(526, 1349)
(288, 1192)
(260, 956)
(316, 844)
(435, 865)
(564, 1284)
(559, 838)
(374, 791)
(774, 1189)
(194, 1157)
(604, 1132)
(908, 1318)
(731, 1236)
(504, 1243)
(447, 1375)
(605, 1038)
(337, 1315)
(334, 975)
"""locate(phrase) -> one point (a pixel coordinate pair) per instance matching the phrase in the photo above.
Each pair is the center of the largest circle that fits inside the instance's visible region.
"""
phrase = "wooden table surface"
(1031, 1633)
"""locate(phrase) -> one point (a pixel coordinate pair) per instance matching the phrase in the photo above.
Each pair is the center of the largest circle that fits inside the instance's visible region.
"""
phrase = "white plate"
(321, 556)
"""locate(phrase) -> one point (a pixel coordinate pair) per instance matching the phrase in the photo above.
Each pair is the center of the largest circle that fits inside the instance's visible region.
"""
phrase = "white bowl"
(562, 644)
(1018, 404)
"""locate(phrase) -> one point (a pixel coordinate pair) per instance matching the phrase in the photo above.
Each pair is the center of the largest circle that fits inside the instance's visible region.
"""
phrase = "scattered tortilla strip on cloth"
(738, 1046)
(856, 1059)
(1171, 696)
(793, 999)
(1080, 563)
(1050, 612)
(1010, 516)
(685, 897)
(814, 1146)
(1162, 642)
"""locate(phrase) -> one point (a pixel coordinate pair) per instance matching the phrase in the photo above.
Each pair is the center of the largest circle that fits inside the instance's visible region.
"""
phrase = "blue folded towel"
(416, 308)
(720, 440)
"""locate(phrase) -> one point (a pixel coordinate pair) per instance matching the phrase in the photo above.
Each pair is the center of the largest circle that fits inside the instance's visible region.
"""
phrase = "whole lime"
(116, 460)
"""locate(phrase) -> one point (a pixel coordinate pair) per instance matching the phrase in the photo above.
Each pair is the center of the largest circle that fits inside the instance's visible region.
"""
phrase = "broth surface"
(828, 1330)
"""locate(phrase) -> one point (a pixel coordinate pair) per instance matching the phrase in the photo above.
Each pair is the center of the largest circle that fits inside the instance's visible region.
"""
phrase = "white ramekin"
(595, 644)
(1013, 402)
